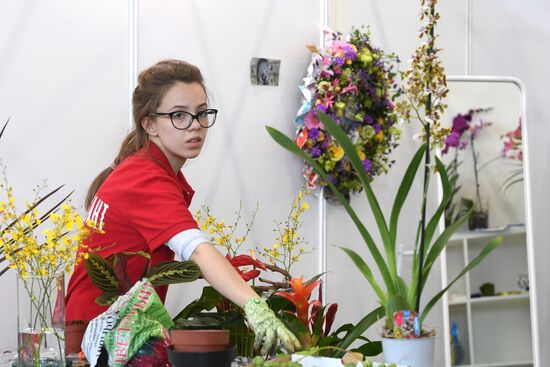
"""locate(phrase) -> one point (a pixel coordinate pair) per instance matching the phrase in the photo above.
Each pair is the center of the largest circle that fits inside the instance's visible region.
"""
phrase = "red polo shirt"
(140, 206)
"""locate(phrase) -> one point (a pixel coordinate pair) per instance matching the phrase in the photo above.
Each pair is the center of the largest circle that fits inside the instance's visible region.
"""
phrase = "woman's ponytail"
(129, 146)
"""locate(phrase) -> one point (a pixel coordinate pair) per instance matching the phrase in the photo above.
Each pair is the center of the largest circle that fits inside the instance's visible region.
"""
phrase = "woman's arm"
(221, 275)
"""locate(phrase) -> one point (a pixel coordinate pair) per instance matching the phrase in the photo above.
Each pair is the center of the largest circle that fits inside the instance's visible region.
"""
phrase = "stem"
(474, 156)
(419, 280)
(421, 249)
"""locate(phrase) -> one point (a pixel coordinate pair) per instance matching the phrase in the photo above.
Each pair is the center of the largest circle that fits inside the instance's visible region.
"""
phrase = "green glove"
(267, 327)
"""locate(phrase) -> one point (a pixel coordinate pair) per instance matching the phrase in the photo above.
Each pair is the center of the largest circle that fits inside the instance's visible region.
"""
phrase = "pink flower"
(311, 121)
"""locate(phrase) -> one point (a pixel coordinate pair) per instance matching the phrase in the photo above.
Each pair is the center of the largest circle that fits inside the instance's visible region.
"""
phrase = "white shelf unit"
(495, 330)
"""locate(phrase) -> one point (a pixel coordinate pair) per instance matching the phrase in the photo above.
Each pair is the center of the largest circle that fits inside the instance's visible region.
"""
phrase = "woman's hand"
(268, 328)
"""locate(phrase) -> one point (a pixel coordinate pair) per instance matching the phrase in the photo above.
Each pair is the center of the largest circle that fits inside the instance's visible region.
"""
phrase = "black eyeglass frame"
(193, 117)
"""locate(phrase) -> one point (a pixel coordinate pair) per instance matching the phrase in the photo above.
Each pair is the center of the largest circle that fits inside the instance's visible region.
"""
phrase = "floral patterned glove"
(267, 327)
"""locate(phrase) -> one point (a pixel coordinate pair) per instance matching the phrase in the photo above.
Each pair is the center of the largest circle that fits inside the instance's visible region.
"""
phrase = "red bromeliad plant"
(308, 319)
(300, 297)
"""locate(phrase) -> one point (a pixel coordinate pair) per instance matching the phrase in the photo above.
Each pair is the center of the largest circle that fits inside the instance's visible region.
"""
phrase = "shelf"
(496, 327)
(463, 300)
(486, 233)
(498, 364)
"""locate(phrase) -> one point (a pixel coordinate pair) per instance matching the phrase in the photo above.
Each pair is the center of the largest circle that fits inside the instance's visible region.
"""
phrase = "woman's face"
(178, 145)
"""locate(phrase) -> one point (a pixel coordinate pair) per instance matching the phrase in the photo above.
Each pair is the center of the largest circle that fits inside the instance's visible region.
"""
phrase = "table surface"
(8, 358)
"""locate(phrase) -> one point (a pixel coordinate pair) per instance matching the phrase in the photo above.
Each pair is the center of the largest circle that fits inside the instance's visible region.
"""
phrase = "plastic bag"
(127, 325)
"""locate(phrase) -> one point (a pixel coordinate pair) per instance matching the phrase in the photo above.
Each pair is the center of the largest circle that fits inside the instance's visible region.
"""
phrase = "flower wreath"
(352, 82)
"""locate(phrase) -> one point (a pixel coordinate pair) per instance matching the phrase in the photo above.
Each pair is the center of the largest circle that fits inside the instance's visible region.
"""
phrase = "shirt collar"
(152, 151)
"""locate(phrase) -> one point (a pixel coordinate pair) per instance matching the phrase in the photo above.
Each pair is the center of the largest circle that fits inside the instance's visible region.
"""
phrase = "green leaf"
(340, 136)
(209, 299)
(318, 330)
(289, 145)
(359, 329)
(367, 273)
(172, 272)
(106, 299)
(468, 203)
(435, 219)
(101, 273)
(297, 328)
(369, 349)
(404, 189)
(486, 251)
(440, 243)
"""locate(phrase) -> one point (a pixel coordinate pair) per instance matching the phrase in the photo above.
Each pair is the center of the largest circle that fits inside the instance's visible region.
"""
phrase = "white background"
(64, 83)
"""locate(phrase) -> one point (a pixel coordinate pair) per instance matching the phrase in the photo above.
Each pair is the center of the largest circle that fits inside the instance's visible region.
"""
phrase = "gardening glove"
(267, 327)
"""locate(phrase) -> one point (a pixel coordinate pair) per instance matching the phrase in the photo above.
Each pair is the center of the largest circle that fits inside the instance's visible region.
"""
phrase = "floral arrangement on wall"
(353, 82)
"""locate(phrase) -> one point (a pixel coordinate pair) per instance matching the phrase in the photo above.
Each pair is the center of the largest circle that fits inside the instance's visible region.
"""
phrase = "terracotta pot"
(199, 340)
(74, 331)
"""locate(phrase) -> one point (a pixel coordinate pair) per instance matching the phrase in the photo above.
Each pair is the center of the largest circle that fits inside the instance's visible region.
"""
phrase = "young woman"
(141, 202)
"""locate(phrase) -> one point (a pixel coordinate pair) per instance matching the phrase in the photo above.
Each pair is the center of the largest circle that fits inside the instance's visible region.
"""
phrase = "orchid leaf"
(446, 188)
(484, 252)
(340, 136)
(358, 330)
(289, 145)
(172, 272)
(404, 189)
(367, 273)
(440, 243)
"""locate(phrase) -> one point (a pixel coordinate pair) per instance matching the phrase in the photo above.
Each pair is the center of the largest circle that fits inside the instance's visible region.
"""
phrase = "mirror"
(491, 312)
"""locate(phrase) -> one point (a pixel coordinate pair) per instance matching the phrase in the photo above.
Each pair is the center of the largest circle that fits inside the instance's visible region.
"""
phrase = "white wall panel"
(63, 82)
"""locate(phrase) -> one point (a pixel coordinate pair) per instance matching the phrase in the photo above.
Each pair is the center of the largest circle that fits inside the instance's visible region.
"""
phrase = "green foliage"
(109, 274)
(393, 294)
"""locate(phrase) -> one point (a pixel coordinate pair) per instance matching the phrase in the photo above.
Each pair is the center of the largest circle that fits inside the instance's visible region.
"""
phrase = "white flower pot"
(410, 352)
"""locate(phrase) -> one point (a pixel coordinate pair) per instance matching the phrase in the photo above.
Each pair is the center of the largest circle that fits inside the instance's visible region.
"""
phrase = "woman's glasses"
(182, 119)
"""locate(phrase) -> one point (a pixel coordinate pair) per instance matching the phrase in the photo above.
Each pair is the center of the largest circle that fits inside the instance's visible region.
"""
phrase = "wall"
(63, 82)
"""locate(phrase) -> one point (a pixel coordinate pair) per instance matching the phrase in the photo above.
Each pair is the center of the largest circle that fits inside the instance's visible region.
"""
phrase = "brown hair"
(153, 83)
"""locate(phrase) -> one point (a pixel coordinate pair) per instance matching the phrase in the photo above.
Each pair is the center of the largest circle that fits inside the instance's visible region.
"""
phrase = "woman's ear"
(150, 126)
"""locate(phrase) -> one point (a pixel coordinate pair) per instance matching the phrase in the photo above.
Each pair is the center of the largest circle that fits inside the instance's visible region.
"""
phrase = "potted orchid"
(424, 91)
(465, 128)
(394, 294)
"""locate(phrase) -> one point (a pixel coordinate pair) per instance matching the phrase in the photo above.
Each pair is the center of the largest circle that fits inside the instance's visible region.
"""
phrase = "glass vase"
(41, 320)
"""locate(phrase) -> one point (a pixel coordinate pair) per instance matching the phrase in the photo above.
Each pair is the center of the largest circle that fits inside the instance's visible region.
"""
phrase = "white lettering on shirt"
(96, 213)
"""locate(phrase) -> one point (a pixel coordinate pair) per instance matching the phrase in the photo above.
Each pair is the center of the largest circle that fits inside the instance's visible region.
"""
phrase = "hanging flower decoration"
(353, 82)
